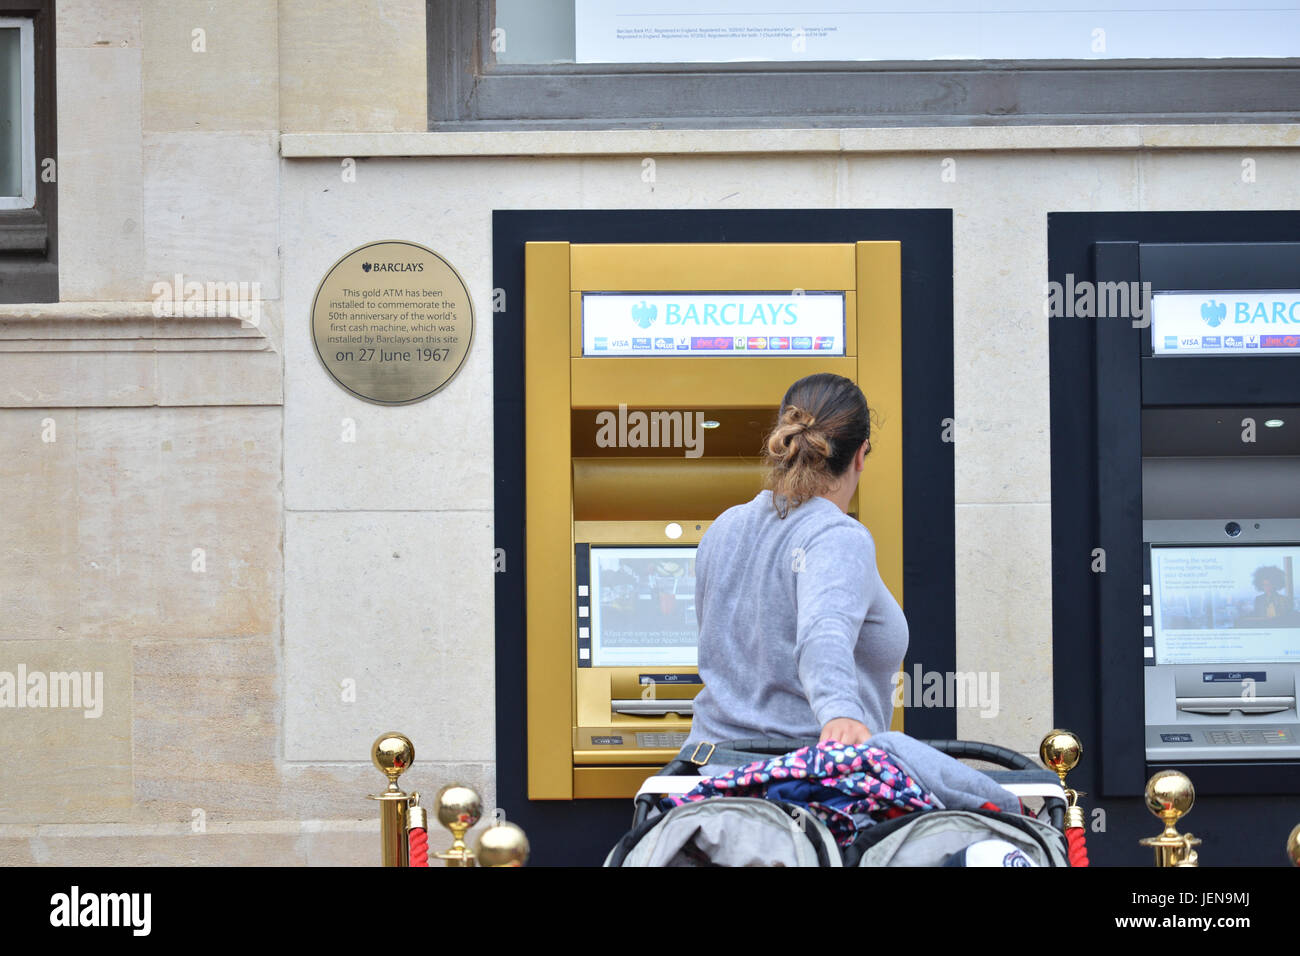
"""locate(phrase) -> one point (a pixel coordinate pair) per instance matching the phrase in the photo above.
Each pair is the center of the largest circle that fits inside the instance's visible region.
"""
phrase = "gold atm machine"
(652, 374)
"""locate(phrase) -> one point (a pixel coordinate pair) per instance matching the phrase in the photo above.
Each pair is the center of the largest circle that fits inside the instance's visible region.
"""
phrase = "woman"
(799, 637)
(1272, 603)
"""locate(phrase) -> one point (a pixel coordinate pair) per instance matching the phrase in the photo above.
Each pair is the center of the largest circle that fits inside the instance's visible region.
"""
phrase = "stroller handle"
(968, 749)
(959, 749)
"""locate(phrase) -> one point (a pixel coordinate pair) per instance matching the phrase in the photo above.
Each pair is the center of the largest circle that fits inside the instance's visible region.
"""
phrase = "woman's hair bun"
(796, 437)
(822, 423)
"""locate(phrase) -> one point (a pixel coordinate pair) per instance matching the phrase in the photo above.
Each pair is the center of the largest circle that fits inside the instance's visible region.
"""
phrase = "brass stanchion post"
(1060, 752)
(1170, 795)
(393, 753)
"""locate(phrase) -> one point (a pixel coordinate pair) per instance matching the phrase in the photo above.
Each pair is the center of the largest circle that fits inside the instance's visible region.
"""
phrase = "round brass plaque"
(392, 322)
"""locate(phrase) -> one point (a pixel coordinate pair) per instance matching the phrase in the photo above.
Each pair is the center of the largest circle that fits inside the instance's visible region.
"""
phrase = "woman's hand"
(845, 730)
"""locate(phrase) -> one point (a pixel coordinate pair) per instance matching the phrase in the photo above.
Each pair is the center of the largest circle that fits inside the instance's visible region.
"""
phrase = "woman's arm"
(832, 602)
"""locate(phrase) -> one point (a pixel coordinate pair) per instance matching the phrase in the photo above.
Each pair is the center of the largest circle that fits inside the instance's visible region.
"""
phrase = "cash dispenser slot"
(1222, 706)
(627, 715)
(653, 708)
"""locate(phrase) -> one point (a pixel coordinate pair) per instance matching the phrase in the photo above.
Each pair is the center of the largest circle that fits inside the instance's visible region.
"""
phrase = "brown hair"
(822, 423)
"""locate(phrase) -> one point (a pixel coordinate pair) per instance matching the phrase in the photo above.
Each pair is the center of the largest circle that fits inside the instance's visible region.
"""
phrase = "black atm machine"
(1200, 397)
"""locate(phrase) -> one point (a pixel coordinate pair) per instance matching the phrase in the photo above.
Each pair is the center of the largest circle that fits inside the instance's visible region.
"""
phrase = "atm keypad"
(1247, 738)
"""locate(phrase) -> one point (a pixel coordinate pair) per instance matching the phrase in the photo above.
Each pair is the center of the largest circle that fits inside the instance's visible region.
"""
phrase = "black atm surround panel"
(1097, 462)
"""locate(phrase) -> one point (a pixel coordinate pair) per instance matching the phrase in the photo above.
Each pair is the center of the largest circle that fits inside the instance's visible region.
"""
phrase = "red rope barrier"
(418, 841)
(1078, 848)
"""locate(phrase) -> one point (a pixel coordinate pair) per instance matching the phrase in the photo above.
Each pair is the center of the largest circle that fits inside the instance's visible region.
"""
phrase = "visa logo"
(1211, 342)
(619, 344)
(1189, 343)
(639, 343)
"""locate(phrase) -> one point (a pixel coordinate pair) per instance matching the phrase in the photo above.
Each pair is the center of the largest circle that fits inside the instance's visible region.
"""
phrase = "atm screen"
(1225, 605)
(643, 606)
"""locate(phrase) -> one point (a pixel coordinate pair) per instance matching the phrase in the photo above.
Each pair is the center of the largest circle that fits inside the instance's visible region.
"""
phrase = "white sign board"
(712, 323)
(1225, 323)
(720, 31)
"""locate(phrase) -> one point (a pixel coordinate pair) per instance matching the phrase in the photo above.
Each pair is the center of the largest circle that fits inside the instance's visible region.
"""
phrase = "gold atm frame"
(562, 385)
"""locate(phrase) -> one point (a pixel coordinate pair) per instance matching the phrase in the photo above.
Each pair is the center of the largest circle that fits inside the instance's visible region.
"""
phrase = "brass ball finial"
(457, 808)
(1293, 845)
(1170, 795)
(502, 844)
(1060, 752)
(393, 754)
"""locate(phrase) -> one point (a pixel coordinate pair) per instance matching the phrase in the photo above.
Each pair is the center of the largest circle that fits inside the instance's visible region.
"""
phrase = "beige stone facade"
(183, 516)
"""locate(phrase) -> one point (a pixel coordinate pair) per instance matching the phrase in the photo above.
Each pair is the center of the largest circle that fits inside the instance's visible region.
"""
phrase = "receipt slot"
(1221, 639)
(652, 374)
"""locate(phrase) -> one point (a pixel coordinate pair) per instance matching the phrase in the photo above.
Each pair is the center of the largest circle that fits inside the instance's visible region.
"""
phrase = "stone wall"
(185, 517)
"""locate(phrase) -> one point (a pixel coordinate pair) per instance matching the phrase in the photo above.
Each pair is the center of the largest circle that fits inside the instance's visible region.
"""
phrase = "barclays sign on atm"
(1225, 323)
(714, 323)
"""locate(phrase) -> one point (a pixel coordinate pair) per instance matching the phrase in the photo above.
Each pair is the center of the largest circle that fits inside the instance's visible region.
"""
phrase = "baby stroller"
(770, 830)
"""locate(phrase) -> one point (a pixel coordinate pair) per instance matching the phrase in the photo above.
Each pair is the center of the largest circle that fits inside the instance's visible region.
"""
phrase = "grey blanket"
(954, 785)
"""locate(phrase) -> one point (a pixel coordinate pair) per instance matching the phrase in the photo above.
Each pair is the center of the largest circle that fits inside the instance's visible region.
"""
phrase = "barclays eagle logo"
(1214, 313)
(644, 315)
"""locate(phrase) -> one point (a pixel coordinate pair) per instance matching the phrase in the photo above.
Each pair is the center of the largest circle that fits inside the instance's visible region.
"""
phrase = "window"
(28, 264)
(609, 64)
(17, 115)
